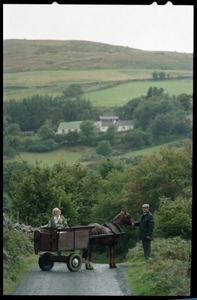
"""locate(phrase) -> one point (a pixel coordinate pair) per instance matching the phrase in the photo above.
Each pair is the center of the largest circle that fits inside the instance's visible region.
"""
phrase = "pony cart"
(58, 240)
(84, 238)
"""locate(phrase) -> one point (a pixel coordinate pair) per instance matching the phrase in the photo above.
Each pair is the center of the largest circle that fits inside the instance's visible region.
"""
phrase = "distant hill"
(25, 55)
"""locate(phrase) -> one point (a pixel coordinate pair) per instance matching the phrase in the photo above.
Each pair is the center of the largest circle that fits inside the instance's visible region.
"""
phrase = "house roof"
(70, 125)
(109, 118)
(118, 123)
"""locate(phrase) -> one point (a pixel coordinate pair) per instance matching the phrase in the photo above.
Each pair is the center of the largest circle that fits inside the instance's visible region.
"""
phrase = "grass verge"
(17, 273)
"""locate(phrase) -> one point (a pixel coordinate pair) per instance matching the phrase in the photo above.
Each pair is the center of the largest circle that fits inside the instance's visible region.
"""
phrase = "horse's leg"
(112, 263)
(87, 261)
(110, 256)
(90, 260)
(88, 257)
(85, 256)
(114, 257)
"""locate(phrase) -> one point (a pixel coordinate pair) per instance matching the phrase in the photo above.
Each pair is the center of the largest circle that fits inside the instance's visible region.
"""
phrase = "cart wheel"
(45, 262)
(74, 262)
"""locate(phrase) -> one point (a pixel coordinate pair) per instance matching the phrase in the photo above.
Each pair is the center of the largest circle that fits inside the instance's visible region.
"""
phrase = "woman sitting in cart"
(57, 220)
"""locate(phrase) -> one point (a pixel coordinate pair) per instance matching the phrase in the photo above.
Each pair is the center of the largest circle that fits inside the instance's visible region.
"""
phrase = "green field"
(121, 94)
(114, 86)
(76, 155)
(69, 156)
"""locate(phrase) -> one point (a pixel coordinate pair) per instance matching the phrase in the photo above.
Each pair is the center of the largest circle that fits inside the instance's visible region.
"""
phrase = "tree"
(174, 218)
(162, 126)
(166, 173)
(13, 129)
(185, 102)
(72, 138)
(10, 168)
(126, 112)
(35, 195)
(155, 75)
(88, 133)
(149, 93)
(42, 145)
(162, 75)
(104, 148)
(108, 165)
(74, 189)
(110, 134)
(81, 186)
(11, 139)
(73, 90)
(45, 133)
(136, 139)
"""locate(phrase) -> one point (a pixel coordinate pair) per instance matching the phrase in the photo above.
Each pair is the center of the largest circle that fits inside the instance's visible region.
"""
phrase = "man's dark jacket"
(146, 225)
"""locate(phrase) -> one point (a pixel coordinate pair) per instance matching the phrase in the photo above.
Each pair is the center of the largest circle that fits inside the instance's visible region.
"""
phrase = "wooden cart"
(58, 240)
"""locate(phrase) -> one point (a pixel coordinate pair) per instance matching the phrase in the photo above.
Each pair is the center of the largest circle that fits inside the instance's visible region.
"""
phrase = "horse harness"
(109, 225)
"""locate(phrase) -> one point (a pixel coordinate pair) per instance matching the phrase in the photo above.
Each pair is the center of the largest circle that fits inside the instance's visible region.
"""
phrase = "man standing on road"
(146, 228)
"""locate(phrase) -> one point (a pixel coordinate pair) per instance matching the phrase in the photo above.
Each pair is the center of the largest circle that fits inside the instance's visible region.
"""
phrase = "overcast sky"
(146, 27)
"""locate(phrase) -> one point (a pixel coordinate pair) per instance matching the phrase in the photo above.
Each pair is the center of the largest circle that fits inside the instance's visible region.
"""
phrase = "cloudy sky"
(147, 27)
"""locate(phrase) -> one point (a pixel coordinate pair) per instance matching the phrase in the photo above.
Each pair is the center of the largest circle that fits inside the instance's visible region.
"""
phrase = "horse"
(108, 234)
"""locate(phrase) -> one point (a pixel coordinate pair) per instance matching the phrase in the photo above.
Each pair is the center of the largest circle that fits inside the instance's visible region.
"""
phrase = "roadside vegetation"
(167, 274)
(17, 256)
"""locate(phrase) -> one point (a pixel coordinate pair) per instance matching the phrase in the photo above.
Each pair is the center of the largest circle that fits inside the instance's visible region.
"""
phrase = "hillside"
(35, 55)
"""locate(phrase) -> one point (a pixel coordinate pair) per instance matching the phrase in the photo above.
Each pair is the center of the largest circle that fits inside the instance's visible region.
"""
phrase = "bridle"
(126, 216)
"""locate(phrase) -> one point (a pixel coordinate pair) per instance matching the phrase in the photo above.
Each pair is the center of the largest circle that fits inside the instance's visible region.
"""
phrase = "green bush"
(17, 245)
(168, 274)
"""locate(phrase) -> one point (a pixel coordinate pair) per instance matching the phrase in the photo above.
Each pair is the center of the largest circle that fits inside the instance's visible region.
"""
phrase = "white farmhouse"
(103, 124)
(107, 121)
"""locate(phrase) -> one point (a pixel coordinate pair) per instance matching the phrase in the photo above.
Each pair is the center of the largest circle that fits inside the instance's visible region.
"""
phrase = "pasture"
(69, 156)
(103, 87)
(79, 154)
(121, 94)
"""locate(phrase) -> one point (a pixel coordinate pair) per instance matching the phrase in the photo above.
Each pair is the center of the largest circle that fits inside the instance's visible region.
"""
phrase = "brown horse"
(108, 234)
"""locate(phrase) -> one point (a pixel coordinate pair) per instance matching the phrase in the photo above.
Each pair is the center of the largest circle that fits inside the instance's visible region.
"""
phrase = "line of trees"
(160, 75)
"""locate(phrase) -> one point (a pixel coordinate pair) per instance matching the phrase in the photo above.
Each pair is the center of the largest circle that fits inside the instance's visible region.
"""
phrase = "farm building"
(66, 127)
(107, 121)
(102, 125)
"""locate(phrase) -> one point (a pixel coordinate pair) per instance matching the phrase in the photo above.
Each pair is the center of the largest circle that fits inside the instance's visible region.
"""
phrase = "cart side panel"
(81, 238)
(54, 242)
(66, 240)
(45, 241)
(74, 238)
(36, 241)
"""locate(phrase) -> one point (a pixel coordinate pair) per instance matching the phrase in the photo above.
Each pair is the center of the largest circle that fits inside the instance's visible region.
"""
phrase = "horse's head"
(123, 218)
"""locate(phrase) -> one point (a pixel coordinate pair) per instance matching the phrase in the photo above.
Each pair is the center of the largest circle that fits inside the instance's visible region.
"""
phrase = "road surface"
(60, 281)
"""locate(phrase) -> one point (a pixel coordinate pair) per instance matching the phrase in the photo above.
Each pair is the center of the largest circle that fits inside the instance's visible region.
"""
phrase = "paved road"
(60, 281)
